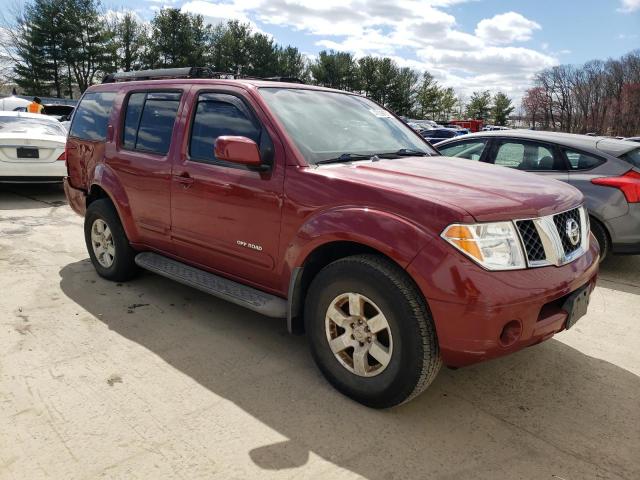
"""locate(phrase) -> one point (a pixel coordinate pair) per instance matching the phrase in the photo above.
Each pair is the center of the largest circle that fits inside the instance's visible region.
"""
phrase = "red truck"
(321, 207)
(472, 125)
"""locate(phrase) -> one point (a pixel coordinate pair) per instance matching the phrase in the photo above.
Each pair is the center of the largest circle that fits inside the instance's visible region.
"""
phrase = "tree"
(502, 108)
(40, 46)
(336, 70)
(87, 46)
(479, 105)
(427, 96)
(291, 63)
(177, 39)
(128, 42)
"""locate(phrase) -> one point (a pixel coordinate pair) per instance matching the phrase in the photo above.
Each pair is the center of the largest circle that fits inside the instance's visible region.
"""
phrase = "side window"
(217, 115)
(471, 150)
(581, 161)
(510, 154)
(92, 115)
(149, 120)
(528, 156)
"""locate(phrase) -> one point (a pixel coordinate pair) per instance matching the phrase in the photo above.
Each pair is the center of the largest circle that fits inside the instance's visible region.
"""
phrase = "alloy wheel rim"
(358, 334)
(102, 243)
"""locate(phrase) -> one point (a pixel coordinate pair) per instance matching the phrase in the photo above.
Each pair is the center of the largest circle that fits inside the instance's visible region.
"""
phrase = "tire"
(402, 359)
(602, 237)
(102, 213)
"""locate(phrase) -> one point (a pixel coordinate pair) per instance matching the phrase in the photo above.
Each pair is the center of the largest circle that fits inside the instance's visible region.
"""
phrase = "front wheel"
(371, 332)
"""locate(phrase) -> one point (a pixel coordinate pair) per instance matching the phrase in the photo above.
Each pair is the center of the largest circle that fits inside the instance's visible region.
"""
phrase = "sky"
(466, 44)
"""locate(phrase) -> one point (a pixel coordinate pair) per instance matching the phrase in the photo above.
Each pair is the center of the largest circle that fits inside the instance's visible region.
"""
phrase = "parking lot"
(151, 379)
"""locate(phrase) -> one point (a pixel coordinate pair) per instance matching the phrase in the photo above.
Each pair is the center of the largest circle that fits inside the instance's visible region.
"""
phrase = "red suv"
(322, 207)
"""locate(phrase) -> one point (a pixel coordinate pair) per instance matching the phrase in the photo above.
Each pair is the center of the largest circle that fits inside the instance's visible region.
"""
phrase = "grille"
(531, 240)
(561, 221)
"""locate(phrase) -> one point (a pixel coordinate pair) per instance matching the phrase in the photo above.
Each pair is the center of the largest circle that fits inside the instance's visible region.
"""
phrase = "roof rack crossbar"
(185, 72)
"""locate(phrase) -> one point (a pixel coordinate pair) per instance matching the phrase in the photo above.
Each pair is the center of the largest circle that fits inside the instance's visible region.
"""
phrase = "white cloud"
(421, 34)
(506, 28)
(628, 6)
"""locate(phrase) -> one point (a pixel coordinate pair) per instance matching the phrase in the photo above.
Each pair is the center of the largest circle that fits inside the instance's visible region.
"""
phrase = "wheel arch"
(316, 260)
(105, 184)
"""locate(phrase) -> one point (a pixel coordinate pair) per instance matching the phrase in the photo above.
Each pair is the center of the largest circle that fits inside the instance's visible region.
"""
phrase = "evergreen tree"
(502, 108)
(479, 105)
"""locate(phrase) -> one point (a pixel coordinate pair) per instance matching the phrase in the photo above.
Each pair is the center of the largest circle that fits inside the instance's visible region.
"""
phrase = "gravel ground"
(151, 379)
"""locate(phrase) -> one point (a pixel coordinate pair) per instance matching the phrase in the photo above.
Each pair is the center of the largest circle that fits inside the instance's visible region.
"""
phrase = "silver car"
(607, 172)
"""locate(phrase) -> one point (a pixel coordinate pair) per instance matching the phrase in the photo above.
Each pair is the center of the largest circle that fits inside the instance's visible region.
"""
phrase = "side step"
(234, 292)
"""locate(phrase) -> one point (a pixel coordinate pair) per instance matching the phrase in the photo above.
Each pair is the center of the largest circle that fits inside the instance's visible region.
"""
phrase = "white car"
(32, 148)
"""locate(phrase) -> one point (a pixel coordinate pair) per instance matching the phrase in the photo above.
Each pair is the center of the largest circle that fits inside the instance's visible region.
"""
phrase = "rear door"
(529, 155)
(141, 159)
(223, 215)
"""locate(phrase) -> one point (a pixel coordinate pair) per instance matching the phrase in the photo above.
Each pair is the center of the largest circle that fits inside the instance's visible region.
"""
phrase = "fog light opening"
(510, 333)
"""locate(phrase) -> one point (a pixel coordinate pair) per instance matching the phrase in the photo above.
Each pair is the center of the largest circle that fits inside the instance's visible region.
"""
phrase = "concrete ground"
(152, 380)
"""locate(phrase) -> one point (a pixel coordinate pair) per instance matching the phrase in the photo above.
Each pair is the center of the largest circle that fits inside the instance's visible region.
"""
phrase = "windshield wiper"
(346, 157)
(407, 152)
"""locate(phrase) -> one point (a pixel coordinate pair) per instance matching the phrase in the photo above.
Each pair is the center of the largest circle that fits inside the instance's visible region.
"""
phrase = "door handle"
(185, 179)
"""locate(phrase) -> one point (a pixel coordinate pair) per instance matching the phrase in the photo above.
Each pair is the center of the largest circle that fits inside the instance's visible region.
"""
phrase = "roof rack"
(185, 72)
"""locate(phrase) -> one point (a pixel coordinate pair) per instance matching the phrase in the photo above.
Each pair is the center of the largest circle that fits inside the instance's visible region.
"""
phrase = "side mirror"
(240, 150)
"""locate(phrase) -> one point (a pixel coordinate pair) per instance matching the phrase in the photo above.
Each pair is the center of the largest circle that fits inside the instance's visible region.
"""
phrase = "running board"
(234, 292)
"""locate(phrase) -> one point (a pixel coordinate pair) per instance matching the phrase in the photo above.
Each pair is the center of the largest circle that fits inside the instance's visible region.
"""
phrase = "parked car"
(60, 112)
(13, 102)
(607, 171)
(322, 207)
(458, 128)
(31, 148)
(437, 135)
(493, 128)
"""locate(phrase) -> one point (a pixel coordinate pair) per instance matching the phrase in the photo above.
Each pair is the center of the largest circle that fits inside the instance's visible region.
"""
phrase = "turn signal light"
(629, 183)
(63, 156)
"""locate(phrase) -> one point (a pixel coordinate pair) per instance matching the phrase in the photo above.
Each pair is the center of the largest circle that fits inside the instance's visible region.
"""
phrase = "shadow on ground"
(549, 410)
(24, 196)
(621, 272)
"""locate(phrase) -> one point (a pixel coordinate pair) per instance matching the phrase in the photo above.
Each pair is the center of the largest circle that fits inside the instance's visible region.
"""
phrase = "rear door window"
(149, 120)
(471, 150)
(530, 156)
(217, 115)
(92, 115)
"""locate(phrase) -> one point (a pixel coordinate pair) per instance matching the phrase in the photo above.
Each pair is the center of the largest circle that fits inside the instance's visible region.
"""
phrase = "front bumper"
(76, 197)
(471, 306)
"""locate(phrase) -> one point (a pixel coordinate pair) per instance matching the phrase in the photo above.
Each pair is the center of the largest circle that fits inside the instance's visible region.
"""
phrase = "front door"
(224, 216)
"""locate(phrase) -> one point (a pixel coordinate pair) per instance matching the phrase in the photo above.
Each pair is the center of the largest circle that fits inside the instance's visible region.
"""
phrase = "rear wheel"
(370, 331)
(602, 237)
(107, 243)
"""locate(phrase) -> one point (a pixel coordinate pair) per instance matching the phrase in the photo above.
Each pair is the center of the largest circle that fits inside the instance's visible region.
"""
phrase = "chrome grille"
(555, 239)
(531, 240)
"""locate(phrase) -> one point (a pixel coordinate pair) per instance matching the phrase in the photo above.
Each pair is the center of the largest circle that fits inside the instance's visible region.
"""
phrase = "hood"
(486, 192)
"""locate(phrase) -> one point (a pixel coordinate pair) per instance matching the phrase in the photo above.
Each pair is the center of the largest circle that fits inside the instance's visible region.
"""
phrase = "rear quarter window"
(92, 115)
(633, 157)
(581, 161)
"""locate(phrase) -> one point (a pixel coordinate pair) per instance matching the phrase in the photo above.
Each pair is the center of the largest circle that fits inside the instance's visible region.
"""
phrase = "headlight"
(494, 246)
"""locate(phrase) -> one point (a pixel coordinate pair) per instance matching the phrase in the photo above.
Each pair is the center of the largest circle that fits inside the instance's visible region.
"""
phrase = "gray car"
(607, 172)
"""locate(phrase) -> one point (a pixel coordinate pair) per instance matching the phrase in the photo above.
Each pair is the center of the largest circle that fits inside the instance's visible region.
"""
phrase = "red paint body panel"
(256, 227)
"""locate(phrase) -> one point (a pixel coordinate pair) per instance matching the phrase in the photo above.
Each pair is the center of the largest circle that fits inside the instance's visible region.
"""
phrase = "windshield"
(633, 157)
(45, 125)
(328, 125)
